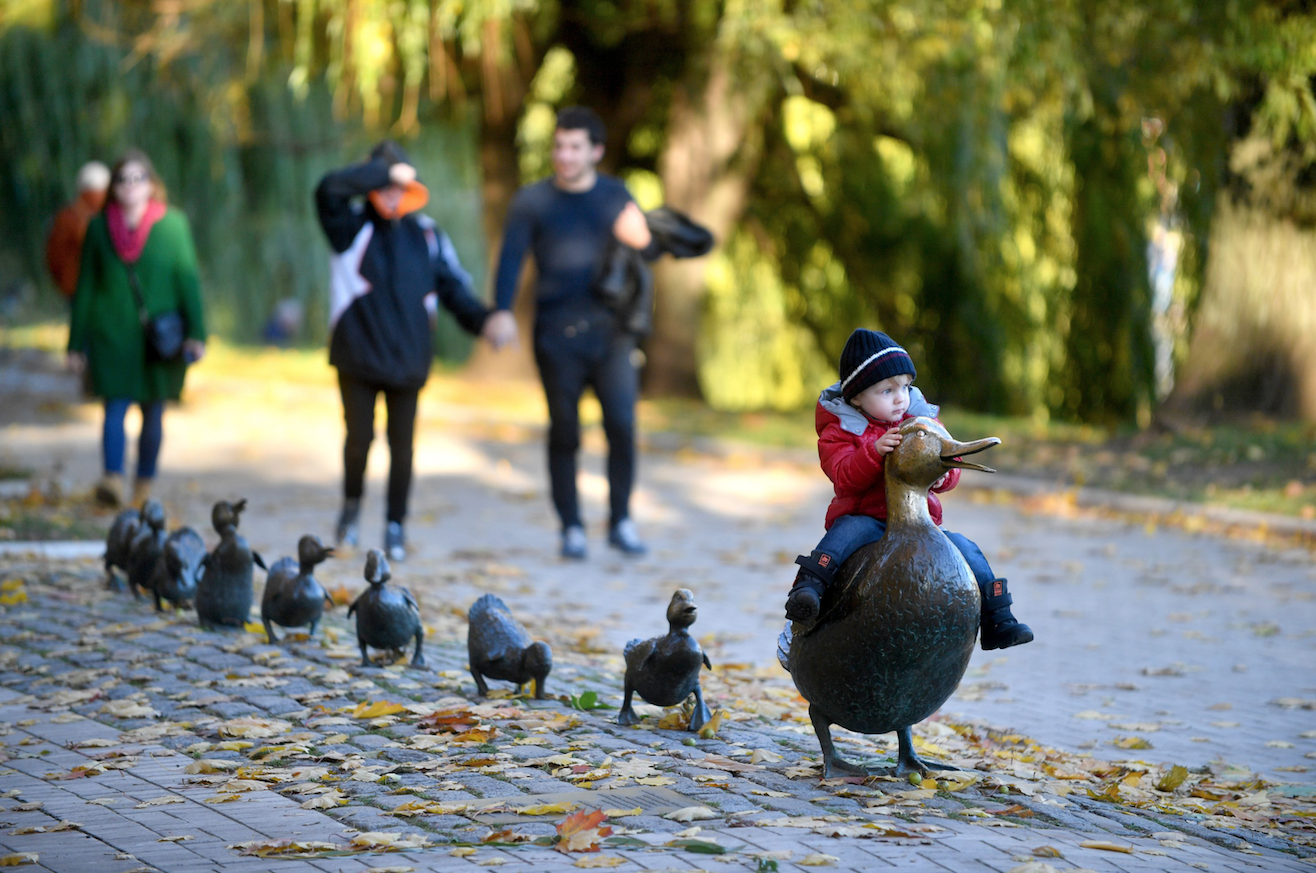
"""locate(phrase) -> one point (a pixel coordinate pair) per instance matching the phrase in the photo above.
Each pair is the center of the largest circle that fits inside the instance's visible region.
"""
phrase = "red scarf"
(129, 242)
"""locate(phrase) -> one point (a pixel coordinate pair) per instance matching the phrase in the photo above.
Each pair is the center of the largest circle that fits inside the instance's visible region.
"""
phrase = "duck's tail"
(630, 647)
(784, 640)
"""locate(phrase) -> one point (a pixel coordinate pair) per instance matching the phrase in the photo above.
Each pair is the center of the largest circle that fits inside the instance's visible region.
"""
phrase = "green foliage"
(974, 177)
(242, 163)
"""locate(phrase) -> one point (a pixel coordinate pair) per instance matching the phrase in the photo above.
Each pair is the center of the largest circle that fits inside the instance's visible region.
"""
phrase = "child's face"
(886, 400)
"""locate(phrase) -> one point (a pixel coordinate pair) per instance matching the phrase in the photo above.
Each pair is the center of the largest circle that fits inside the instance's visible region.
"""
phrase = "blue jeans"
(849, 532)
(114, 440)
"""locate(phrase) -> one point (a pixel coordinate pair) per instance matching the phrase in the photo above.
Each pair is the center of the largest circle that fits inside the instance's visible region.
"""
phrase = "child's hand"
(887, 442)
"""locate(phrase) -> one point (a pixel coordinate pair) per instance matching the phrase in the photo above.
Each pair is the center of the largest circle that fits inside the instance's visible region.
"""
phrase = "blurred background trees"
(1093, 209)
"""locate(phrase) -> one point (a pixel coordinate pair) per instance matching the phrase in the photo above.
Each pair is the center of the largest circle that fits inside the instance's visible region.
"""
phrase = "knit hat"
(869, 357)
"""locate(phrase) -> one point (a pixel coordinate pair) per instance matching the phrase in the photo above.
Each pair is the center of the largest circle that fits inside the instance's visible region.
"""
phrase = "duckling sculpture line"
(224, 594)
(386, 618)
(664, 670)
(178, 570)
(500, 648)
(293, 597)
(896, 630)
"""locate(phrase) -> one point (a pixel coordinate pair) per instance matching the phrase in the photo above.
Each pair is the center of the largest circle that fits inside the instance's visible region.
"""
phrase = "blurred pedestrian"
(391, 266)
(64, 245)
(569, 222)
(137, 316)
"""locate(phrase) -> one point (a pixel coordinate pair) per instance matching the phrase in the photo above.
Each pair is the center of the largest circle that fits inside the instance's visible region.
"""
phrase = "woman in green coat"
(135, 235)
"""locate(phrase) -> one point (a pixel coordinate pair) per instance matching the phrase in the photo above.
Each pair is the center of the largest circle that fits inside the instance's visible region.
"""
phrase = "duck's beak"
(952, 450)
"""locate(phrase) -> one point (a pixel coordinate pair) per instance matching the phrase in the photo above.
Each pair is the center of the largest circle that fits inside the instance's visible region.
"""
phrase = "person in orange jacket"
(64, 245)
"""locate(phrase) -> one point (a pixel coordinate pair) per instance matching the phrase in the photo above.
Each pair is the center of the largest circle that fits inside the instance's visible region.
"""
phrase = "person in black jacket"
(390, 262)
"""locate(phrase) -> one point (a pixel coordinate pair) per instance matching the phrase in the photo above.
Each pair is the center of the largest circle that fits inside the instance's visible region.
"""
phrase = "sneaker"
(626, 538)
(347, 532)
(109, 490)
(574, 545)
(395, 541)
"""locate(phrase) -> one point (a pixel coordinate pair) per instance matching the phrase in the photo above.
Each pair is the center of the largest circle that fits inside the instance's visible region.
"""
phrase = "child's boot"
(805, 598)
(999, 629)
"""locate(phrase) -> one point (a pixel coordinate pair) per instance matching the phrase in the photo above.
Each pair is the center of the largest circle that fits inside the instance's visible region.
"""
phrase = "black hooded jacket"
(384, 275)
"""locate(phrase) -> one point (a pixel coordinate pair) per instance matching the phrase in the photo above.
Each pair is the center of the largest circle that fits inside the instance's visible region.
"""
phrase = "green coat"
(105, 324)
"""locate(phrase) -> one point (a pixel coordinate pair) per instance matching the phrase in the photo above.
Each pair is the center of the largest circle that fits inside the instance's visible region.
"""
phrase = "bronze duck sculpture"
(178, 570)
(224, 593)
(896, 629)
(147, 545)
(118, 545)
(664, 670)
(500, 648)
(293, 597)
(386, 617)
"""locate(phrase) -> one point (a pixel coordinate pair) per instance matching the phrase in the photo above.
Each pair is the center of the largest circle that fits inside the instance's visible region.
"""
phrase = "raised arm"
(334, 195)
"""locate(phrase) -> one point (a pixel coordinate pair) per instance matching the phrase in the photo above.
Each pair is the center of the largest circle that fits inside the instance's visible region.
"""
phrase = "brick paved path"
(74, 662)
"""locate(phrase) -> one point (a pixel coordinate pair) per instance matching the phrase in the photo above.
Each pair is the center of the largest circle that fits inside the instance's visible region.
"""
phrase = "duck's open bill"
(951, 452)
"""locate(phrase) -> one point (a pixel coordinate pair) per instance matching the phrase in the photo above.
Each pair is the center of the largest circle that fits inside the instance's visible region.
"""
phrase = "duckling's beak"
(951, 451)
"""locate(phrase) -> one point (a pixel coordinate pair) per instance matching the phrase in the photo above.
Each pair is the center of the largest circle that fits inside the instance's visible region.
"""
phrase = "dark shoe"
(625, 537)
(803, 602)
(395, 541)
(999, 628)
(574, 544)
(347, 533)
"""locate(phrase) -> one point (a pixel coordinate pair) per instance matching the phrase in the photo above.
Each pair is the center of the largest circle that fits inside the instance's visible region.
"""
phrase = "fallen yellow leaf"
(375, 710)
(1107, 846)
(597, 861)
(692, 813)
(817, 859)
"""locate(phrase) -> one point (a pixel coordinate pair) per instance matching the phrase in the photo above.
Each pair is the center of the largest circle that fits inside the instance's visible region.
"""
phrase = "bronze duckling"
(293, 597)
(500, 648)
(386, 618)
(896, 629)
(146, 546)
(224, 594)
(179, 568)
(664, 670)
(118, 545)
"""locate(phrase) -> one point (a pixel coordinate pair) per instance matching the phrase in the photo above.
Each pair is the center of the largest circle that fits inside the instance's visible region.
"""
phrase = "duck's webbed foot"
(833, 764)
(908, 762)
(627, 716)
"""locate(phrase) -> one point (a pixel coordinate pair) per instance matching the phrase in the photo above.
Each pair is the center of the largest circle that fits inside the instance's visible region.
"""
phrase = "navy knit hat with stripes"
(869, 357)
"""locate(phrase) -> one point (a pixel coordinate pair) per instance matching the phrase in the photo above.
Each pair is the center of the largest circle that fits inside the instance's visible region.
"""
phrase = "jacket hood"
(855, 422)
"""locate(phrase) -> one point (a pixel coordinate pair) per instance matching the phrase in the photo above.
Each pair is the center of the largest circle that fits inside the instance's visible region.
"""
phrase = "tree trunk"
(706, 169)
(505, 83)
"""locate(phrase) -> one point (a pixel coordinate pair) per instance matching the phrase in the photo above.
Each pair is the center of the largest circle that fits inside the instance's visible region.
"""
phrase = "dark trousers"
(581, 353)
(849, 532)
(359, 414)
(114, 439)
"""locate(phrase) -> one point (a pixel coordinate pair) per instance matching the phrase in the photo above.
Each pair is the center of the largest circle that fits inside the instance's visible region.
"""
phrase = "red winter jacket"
(853, 464)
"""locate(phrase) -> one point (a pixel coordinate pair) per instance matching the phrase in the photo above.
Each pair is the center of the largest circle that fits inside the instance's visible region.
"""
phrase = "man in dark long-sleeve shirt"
(568, 222)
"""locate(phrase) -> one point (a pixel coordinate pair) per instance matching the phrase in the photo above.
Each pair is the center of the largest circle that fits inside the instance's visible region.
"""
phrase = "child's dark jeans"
(849, 532)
